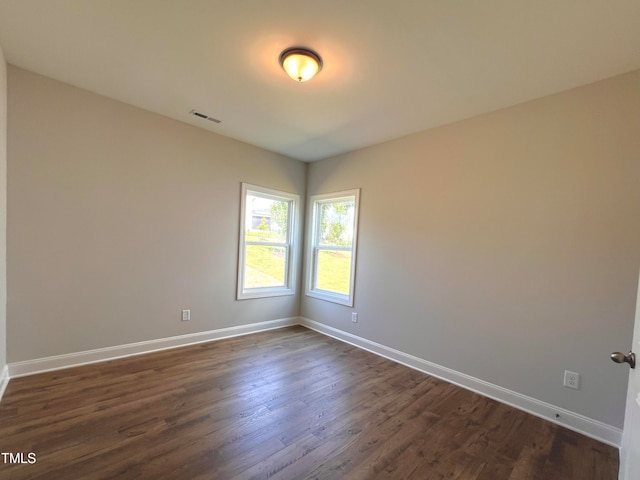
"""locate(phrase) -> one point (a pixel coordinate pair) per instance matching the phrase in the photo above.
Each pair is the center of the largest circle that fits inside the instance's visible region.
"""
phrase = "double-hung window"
(267, 232)
(331, 257)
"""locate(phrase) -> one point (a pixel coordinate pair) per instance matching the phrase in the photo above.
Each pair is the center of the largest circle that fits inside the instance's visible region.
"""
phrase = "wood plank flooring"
(284, 404)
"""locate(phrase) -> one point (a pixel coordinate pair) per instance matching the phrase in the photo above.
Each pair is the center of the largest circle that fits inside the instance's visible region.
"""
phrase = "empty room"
(319, 240)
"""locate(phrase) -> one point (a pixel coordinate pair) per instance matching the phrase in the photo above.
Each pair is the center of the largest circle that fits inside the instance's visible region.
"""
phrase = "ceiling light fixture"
(300, 63)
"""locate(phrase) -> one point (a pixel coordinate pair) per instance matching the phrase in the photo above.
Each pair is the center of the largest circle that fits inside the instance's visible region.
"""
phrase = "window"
(331, 258)
(267, 230)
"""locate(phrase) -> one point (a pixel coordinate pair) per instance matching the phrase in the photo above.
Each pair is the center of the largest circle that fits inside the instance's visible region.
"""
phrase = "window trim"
(290, 244)
(313, 248)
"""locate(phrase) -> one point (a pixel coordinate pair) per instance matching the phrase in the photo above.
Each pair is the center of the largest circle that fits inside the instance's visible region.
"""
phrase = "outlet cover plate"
(571, 379)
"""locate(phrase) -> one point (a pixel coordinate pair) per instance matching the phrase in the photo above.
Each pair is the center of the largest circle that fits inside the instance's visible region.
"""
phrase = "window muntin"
(267, 227)
(332, 250)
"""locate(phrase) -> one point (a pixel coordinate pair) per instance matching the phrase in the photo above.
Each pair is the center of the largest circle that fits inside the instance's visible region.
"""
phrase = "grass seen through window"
(266, 266)
(334, 271)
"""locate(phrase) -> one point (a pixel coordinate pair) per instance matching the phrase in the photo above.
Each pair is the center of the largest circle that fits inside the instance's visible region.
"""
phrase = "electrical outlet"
(186, 315)
(571, 379)
(354, 317)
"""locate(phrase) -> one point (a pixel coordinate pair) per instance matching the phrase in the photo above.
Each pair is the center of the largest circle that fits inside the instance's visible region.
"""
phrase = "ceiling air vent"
(204, 116)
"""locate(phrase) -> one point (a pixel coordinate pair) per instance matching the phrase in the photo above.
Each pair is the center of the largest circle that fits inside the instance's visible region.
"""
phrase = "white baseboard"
(573, 421)
(58, 362)
(4, 380)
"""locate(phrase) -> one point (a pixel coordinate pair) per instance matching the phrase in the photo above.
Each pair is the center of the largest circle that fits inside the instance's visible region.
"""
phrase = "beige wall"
(506, 246)
(119, 218)
(3, 211)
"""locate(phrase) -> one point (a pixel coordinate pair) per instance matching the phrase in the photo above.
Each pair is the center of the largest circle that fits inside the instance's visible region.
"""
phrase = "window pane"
(265, 266)
(336, 223)
(266, 219)
(333, 271)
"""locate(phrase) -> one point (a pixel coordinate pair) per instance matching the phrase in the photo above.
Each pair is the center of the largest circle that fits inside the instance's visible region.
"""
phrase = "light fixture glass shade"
(301, 64)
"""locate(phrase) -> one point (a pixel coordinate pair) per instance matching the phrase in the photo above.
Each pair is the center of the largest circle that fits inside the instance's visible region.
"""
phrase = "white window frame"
(290, 245)
(313, 235)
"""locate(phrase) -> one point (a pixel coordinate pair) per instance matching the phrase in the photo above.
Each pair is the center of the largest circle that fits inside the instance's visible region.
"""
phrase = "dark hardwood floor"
(284, 404)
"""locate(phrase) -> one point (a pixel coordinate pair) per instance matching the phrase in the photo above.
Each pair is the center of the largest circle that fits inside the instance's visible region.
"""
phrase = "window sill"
(330, 297)
(265, 293)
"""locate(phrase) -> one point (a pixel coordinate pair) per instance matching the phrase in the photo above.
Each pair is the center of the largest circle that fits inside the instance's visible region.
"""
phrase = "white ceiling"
(390, 67)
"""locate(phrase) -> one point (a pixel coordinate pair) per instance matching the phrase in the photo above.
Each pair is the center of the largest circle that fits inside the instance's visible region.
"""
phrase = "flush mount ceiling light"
(300, 63)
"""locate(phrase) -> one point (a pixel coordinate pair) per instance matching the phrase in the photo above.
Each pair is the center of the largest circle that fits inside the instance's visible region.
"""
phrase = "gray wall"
(3, 211)
(119, 218)
(506, 246)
